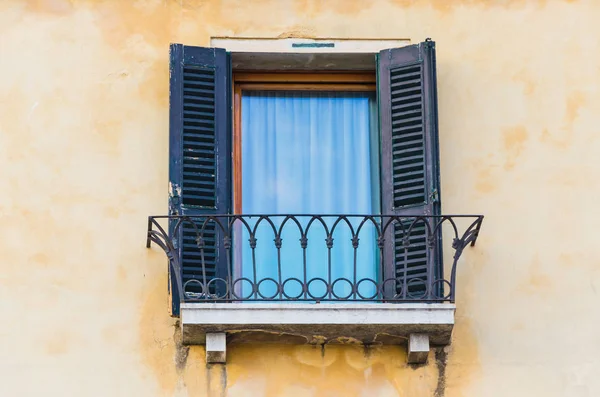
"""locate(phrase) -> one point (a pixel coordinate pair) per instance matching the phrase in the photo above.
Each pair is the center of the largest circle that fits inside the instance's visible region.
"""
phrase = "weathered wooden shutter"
(200, 155)
(410, 166)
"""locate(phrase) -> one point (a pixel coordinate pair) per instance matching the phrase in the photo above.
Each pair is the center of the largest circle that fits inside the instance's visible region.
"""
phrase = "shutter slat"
(189, 105)
(418, 191)
(414, 241)
(413, 269)
(401, 93)
(416, 254)
(408, 143)
(206, 93)
(411, 159)
(191, 100)
(194, 158)
(206, 192)
(404, 113)
(411, 181)
(413, 199)
(208, 131)
(415, 130)
(199, 152)
(410, 99)
(406, 121)
(198, 114)
(406, 175)
(414, 73)
(413, 167)
(198, 144)
(200, 177)
(198, 72)
(197, 80)
(198, 121)
(202, 85)
(407, 151)
(403, 83)
(192, 137)
(199, 166)
(194, 254)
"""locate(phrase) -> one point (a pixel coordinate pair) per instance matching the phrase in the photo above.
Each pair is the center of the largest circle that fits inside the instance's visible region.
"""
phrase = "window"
(348, 147)
(307, 146)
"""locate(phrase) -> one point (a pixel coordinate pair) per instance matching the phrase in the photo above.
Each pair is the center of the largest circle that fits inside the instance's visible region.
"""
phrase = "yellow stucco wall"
(83, 160)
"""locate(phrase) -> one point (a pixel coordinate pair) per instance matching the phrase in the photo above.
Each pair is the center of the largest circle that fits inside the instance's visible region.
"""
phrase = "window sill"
(302, 323)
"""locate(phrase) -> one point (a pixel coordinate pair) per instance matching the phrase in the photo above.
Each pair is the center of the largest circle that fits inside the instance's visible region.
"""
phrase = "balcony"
(373, 279)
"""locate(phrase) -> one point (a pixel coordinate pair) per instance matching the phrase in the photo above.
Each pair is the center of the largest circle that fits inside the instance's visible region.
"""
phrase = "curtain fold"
(309, 153)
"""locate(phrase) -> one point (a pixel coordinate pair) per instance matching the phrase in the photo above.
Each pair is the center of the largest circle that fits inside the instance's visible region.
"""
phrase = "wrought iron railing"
(315, 258)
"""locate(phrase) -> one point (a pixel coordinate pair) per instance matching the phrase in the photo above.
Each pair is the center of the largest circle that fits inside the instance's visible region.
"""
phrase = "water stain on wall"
(194, 374)
(446, 5)
(485, 182)
(463, 363)
(575, 101)
(58, 343)
(52, 7)
(156, 345)
(537, 280)
(514, 139)
(216, 380)
(529, 85)
(341, 7)
(298, 32)
(40, 259)
(563, 138)
(486, 174)
(336, 370)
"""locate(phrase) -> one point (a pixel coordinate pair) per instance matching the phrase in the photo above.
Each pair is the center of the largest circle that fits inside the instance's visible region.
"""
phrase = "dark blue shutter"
(410, 163)
(200, 155)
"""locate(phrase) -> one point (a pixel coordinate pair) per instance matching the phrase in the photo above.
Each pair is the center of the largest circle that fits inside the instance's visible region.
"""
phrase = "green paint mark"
(313, 45)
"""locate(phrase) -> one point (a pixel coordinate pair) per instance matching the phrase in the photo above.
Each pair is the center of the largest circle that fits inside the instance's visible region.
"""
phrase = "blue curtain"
(309, 153)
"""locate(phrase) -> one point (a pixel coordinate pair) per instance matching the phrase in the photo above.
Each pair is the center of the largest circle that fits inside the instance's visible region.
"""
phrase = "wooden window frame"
(288, 81)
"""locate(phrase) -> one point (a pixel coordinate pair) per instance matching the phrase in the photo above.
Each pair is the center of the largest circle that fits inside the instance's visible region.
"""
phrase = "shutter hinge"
(434, 197)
